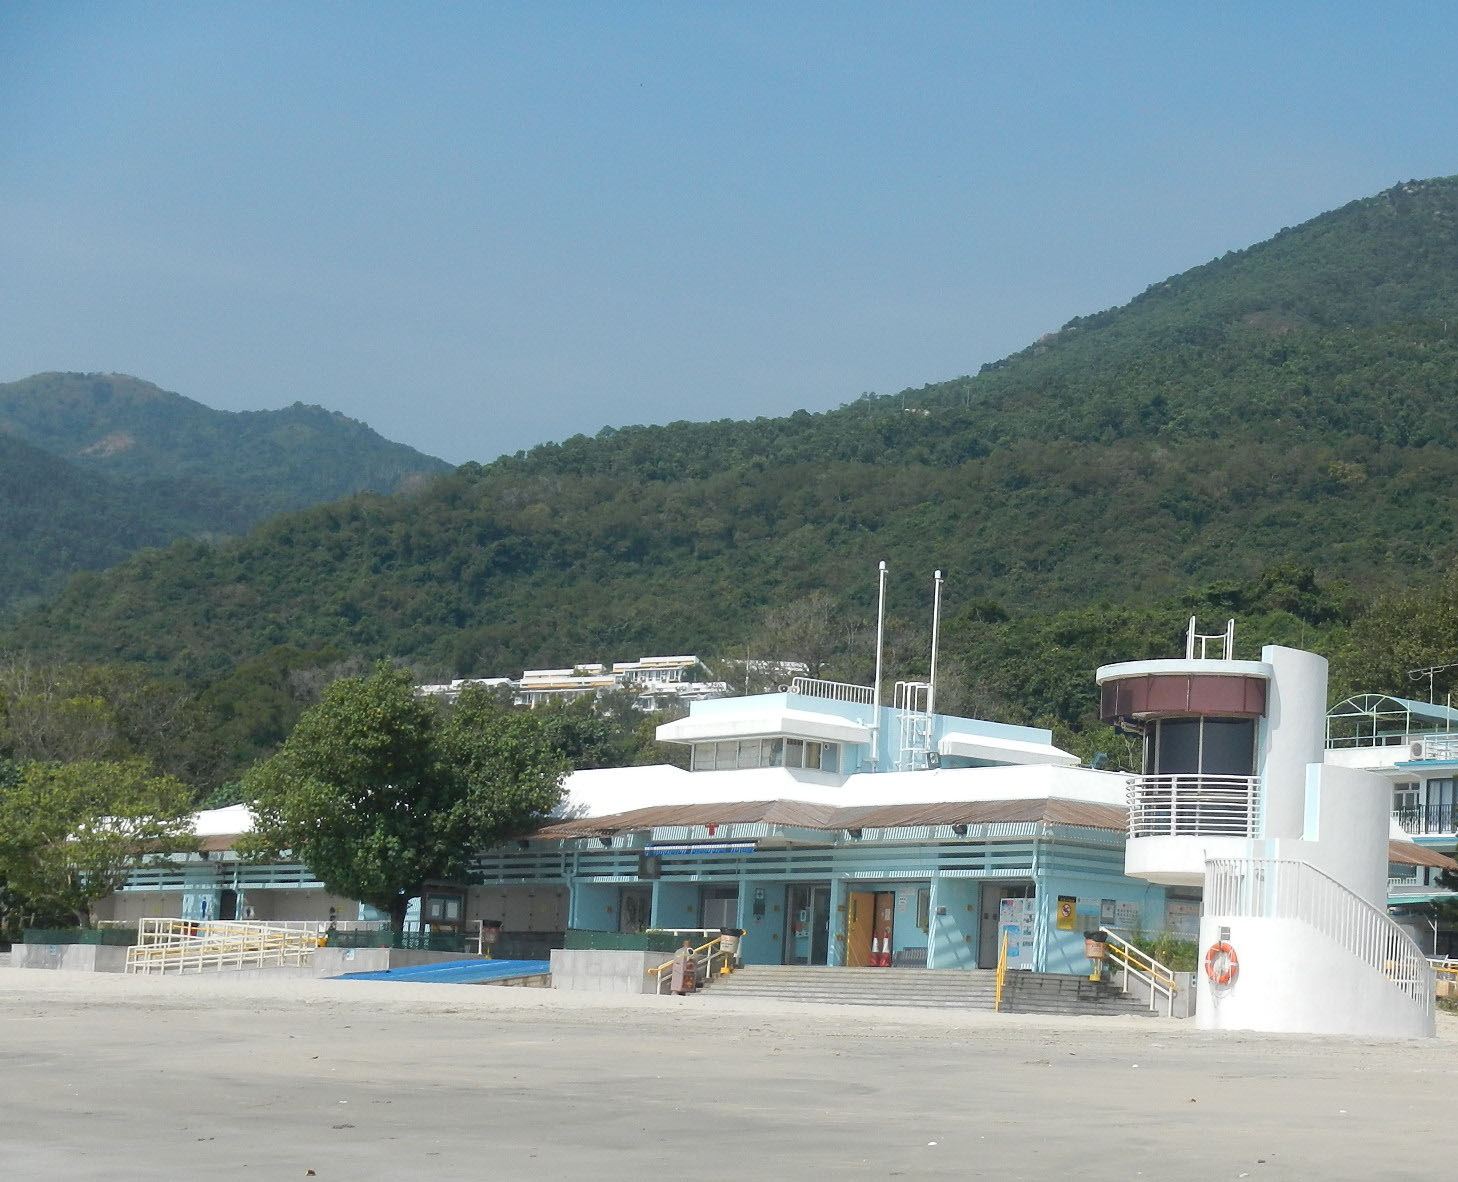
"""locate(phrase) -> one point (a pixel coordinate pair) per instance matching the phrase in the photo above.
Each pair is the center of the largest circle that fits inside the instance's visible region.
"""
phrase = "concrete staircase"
(861, 987)
(1057, 993)
(1026, 993)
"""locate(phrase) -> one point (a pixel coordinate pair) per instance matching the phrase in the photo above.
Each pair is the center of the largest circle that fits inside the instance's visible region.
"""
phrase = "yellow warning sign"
(1067, 912)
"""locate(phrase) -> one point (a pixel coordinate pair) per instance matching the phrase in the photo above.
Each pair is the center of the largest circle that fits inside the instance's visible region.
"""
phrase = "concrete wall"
(520, 908)
(598, 971)
(1059, 951)
(130, 906)
(1293, 980)
(76, 958)
(676, 904)
(1347, 817)
(955, 903)
(595, 907)
(297, 904)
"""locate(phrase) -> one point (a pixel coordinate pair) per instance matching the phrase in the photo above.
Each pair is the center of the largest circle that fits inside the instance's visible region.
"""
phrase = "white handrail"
(1278, 888)
(1194, 804)
(835, 691)
(180, 946)
(1157, 977)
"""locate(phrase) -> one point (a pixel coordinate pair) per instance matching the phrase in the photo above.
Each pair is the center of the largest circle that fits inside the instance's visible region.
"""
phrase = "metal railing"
(1133, 961)
(703, 961)
(1421, 745)
(1434, 818)
(188, 946)
(1001, 974)
(835, 691)
(1194, 804)
(1273, 888)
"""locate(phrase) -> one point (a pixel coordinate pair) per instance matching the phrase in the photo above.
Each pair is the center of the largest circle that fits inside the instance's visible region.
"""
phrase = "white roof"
(604, 791)
(1003, 750)
(236, 818)
(799, 723)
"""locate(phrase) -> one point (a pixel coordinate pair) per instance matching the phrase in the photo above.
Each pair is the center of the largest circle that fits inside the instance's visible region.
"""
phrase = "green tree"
(71, 833)
(380, 793)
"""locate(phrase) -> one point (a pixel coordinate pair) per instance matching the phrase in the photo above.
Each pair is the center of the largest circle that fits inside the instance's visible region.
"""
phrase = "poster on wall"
(1182, 918)
(1016, 918)
(1067, 913)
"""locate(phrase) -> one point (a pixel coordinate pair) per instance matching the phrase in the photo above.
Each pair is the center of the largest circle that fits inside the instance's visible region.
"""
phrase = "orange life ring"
(1222, 966)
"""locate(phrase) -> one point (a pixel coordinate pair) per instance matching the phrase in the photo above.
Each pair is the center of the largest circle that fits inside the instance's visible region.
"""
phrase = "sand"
(111, 1077)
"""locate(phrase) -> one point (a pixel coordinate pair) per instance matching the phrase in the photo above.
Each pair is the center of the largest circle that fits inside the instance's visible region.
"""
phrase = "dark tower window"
(1212, 746)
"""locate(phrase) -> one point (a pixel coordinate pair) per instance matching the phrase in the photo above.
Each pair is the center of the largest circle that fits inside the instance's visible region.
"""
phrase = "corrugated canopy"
(1409, 853)
(797, 814)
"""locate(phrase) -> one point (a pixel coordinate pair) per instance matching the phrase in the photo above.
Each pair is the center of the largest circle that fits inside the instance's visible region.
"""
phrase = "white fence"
(835, 691)
(1194, 805)
(187, 946)
(1271, 888)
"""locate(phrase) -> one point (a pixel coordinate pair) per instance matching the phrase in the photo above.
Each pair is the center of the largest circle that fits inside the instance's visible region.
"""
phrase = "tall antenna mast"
(931, 690)
(876, 688)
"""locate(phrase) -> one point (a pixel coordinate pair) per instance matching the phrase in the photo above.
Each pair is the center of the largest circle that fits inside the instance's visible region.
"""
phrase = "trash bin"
(1094, 945)
(490, 933)
(729, 941)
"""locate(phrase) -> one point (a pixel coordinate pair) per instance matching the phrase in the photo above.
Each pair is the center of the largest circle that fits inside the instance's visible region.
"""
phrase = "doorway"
(870, 916)
(807, 924)
(719, 908)
(993, 893)
(635, 909)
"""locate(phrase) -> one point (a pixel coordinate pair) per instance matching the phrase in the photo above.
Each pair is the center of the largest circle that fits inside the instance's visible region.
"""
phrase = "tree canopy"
(381, 793)
(70, 833)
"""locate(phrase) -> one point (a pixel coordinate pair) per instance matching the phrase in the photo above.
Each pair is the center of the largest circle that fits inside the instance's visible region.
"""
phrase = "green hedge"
(115, 937)
(624, 941)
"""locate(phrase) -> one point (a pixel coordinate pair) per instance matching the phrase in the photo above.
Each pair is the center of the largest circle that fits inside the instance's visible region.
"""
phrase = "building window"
(734, 754)
(1208, 746)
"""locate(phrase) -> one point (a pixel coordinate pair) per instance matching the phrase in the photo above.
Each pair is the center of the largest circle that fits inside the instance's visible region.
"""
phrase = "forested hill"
(1292, 403)
(133, 465)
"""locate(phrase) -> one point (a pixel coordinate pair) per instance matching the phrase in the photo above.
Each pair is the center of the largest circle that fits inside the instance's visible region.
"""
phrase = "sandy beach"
(107, 1077)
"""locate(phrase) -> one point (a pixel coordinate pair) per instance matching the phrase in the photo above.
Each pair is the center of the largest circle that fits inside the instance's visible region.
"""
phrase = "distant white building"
(656, 683)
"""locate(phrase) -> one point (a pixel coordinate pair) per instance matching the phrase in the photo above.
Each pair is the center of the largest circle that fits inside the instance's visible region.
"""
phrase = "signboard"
(1126, 916)
(1067, 913)
(1016, 918)
(1182, 918)
(1107, 911)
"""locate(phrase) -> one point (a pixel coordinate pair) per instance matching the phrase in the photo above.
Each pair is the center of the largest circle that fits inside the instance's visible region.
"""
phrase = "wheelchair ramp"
(459, 972)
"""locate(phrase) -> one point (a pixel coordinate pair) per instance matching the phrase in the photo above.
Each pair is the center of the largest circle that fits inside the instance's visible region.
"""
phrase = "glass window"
(748, 753)
(923, 908)
(726, 755)
(1229, 747)
(830, 757)
(794, 753)
(703, 758)
(777, 753)
(1179, 746)
(812, 755)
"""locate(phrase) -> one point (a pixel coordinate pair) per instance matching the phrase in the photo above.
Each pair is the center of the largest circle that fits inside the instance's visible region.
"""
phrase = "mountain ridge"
(1286, 403)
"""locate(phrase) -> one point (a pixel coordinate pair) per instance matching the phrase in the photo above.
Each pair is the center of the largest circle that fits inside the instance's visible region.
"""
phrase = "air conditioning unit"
(1415, 749)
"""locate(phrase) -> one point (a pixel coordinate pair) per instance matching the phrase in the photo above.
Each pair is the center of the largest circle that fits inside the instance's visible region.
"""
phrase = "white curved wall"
(1179, 861)
(1293, 980)
(1293, 736)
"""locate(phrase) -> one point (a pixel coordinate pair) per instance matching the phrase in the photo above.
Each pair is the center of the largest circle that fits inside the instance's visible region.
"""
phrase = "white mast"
(931, 689)
(876, 688)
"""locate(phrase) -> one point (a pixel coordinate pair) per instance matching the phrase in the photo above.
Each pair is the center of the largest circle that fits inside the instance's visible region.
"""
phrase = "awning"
(798, 724)
(997, 750)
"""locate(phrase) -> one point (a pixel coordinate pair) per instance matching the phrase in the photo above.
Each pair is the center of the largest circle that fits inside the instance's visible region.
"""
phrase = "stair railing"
(706, 960)
(1276, 888)
(1132, 961)
(1001, 974)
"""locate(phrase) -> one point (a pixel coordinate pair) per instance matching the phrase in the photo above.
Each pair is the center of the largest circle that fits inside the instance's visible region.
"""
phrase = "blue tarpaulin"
(457, 972)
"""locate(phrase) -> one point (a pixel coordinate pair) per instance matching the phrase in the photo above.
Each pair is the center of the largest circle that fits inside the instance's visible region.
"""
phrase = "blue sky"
(482, 226)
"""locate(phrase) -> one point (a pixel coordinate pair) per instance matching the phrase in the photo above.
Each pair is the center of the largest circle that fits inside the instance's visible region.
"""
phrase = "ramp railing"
(704, 962)
(199, 946)
(1132, 961)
